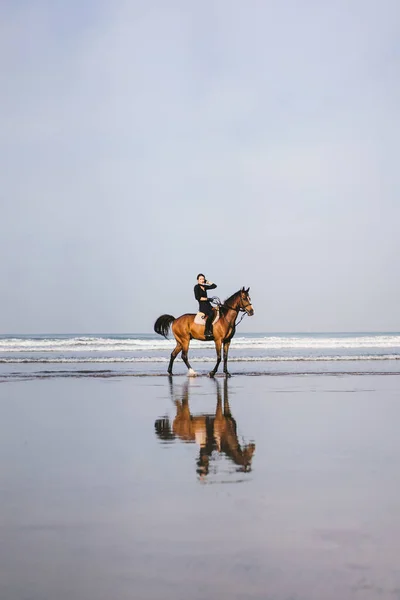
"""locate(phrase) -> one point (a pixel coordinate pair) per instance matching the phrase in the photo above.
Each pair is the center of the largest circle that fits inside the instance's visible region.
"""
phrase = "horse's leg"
(218, 411)
(226, 349)
(227, 408)
(218, 346)
(174, 354)
(185, 349)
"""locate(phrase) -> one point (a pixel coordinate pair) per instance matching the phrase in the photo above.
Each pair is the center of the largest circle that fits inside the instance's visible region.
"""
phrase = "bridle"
(243, 308)
(238, 310)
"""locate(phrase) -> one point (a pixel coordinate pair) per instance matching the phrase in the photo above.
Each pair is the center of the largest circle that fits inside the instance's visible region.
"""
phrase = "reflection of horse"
(184, 329)
(212, 432)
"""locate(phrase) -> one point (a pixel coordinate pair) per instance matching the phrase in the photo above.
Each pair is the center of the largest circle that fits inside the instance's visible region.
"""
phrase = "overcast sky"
(145, 141)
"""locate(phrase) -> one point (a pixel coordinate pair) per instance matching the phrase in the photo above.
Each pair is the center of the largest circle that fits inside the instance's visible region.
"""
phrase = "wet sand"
(137, 488)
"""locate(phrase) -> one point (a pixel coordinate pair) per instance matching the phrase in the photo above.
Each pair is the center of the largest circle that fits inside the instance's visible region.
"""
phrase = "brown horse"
(212, 432)
(185, 329)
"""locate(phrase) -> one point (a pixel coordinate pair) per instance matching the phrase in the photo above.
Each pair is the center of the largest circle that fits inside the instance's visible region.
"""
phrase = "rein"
(241, 319)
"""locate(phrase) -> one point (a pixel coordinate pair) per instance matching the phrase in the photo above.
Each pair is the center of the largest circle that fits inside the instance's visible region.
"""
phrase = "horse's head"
(243, 457)
(245, 302)
(248, 452)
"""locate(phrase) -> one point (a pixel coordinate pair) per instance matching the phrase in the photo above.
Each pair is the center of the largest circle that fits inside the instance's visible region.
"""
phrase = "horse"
(212, 432)
(184, 329)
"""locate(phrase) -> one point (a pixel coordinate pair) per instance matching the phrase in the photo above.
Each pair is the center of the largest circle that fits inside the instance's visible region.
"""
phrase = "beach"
(153, 487)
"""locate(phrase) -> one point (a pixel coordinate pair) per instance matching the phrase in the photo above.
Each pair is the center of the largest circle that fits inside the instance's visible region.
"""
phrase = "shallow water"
(140, 488)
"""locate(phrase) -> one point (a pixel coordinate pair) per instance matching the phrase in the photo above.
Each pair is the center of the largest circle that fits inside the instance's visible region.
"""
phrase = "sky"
(143, 142)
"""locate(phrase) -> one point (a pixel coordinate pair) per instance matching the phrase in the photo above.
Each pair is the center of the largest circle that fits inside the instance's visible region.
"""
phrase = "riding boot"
(208, 332)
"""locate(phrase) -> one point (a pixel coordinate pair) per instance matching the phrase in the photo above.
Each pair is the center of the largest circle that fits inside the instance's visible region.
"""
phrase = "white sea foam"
(82, 345)
(88, 344)
(317, 342)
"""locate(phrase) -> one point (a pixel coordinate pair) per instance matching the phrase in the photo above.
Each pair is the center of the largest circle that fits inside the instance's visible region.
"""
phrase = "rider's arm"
(197, 293)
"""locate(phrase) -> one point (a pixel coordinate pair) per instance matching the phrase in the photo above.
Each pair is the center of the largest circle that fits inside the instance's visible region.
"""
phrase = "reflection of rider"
(200, 293)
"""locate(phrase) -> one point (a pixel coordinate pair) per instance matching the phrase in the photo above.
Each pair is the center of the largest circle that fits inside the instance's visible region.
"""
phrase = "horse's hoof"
(211, 374)
(227, 374)
(192, 373)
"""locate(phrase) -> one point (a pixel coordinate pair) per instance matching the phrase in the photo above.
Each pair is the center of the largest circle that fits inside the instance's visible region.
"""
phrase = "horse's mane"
(228, 302)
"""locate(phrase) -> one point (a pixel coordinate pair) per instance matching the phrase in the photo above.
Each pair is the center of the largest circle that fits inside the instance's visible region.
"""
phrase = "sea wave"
(89, 344)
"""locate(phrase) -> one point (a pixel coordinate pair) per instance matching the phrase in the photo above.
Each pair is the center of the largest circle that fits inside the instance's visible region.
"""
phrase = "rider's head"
(201, 278)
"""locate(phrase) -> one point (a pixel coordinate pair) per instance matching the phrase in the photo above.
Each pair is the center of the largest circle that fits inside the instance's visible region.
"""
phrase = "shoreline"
(14, 376)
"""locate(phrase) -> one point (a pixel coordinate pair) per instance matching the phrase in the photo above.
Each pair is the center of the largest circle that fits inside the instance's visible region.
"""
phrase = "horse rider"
(200, 293)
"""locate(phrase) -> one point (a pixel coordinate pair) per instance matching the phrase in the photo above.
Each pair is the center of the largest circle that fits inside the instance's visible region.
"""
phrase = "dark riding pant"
(206, 308)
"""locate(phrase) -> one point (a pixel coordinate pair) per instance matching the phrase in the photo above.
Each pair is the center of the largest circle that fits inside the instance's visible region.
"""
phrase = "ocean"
(107, 355)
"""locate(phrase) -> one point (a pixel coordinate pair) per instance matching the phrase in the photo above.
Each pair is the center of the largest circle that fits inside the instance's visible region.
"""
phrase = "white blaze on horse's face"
(246, 302)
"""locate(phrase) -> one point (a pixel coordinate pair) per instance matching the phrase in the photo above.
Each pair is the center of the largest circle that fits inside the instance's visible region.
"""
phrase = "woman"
(200, 293)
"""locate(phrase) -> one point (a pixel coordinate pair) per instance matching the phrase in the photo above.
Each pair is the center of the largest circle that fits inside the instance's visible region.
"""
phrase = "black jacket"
(204, 306)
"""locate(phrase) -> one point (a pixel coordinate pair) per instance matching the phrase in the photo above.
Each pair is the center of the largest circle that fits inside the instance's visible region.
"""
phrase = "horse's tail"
(163, 429)
(162, 325)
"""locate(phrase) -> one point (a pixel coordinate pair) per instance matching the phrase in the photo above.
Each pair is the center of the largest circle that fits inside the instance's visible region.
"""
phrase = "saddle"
(200, 318)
